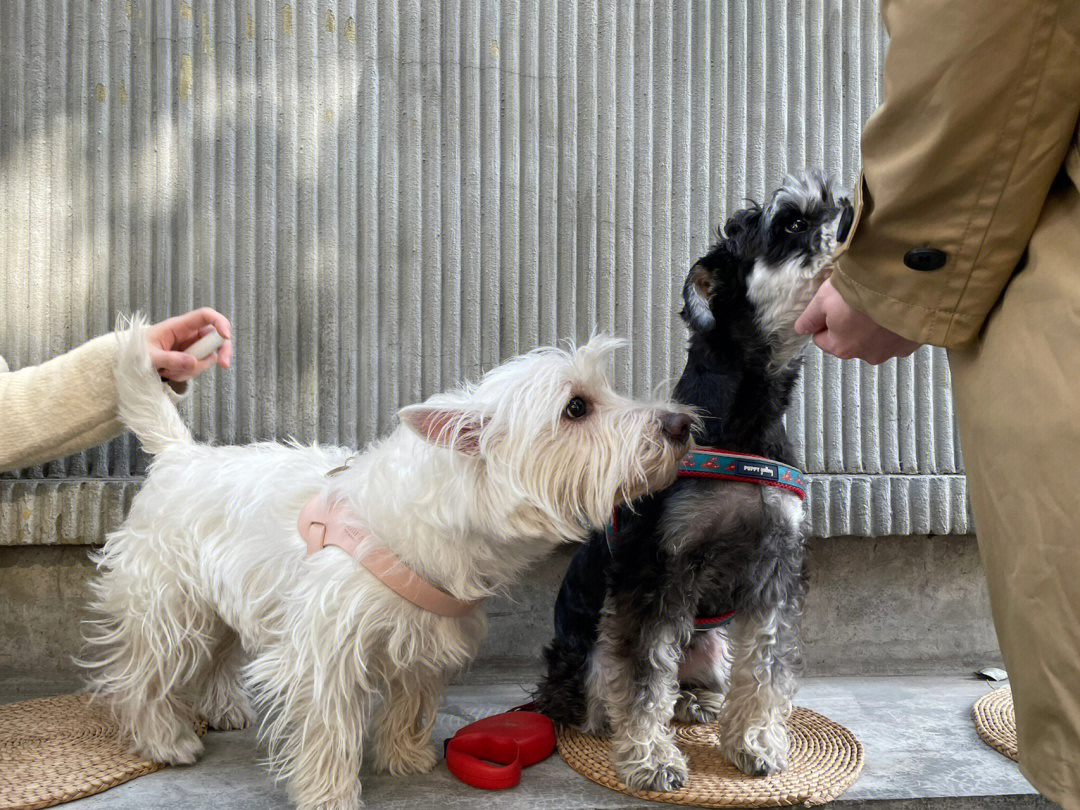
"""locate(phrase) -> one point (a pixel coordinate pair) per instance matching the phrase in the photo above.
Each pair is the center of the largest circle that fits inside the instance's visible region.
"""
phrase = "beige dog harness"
(322, 525)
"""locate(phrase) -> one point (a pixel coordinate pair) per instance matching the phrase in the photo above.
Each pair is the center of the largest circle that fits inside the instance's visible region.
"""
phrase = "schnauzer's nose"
(676, 426)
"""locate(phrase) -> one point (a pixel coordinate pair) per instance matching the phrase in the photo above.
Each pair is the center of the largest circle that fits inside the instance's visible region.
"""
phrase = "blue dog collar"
(707, 462)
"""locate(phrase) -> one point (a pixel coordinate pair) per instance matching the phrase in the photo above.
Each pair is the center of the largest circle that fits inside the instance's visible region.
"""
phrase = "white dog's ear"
(445, 426)
(697, 297)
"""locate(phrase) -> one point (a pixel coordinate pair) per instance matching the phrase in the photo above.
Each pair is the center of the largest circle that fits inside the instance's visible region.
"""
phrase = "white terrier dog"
(210, 566)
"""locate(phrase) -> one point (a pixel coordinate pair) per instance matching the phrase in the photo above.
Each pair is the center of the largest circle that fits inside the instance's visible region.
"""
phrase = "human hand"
(169, 338)
(845, 332)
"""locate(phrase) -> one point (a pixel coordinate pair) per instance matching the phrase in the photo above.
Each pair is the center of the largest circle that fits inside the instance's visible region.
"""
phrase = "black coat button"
(925, 259)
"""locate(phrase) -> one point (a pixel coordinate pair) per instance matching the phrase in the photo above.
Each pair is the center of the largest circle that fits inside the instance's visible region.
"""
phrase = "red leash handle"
(469, 757)
(491, 752)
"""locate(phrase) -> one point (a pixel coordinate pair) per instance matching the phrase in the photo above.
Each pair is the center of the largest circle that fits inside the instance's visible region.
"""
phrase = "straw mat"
(56, 749)
(825, 759)
(995, 721)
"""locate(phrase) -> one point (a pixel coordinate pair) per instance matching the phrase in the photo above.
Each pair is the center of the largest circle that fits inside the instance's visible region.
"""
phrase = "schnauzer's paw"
(757, 763)
(665, 770)
(402, 762)
(753, 765)
(698, 706)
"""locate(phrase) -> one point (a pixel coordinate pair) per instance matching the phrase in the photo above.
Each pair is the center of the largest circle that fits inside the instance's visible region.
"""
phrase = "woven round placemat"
(825, 759)
(57, 749)
(995, 721)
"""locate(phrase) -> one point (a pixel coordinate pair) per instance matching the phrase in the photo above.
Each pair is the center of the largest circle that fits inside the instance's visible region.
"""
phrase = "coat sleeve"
(980, 105)
(61, 406)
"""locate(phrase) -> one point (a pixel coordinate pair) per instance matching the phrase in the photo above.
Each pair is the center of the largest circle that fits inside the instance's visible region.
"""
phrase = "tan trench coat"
(969, 238)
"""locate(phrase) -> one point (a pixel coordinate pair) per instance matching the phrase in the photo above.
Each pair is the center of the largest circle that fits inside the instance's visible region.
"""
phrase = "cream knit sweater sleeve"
(61, 406)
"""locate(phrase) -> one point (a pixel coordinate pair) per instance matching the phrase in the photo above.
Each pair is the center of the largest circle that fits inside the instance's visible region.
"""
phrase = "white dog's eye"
(796, 226)
(577, 408)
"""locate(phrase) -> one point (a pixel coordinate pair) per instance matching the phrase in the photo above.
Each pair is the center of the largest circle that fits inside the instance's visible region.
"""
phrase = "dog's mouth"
(830, 253)
(661, 476)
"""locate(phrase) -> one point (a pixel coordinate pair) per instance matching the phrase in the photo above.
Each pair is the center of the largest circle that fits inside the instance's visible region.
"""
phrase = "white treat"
(206, 345)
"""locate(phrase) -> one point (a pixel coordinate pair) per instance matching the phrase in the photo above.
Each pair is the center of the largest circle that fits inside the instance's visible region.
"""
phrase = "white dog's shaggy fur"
(209, 570)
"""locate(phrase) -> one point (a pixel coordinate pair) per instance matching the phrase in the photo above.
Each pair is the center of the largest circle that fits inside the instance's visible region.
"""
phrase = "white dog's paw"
(344, 803)
(698, 706)
(663, 770)
(401, 761)
(319, 795)
(233, 717)
(185, 750)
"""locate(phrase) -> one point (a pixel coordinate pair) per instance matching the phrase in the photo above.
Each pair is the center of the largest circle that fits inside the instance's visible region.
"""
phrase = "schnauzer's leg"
(703, 674)
(640, 666)
(223, 701)
(753, 732)
(595, 687)
(403, 739)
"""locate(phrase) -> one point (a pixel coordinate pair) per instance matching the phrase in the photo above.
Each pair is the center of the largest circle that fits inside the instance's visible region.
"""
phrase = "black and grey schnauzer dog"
(637, 636)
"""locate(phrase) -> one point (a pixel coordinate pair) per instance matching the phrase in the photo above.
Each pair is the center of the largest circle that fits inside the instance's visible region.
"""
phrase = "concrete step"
(920, 744)
(877, 606)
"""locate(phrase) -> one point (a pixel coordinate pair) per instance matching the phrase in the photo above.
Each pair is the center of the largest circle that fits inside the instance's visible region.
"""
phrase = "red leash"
(491, 752)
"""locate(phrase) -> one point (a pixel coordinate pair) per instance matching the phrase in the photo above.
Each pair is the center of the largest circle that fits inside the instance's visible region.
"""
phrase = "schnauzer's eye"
(577, 408)
(796, 226)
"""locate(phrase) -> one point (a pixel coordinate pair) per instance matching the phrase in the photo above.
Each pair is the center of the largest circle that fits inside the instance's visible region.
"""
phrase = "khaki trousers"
(1017, 393)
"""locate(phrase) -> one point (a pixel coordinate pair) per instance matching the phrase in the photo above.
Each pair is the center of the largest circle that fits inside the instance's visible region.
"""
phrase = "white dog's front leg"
(753, 721)
(403, 739)
(315, 725)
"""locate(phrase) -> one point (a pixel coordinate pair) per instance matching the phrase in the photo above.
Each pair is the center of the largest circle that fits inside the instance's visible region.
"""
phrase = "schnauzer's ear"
(742, 231)
(445, 426)
(697, 293)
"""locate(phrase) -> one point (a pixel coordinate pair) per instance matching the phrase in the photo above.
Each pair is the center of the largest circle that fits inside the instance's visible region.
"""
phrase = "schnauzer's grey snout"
(676, 426)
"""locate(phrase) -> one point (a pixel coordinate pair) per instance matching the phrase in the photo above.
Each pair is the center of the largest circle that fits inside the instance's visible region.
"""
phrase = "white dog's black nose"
(676, 426)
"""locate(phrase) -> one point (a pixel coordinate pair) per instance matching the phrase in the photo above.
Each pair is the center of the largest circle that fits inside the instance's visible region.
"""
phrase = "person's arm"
(981, 101)
(59, 407)
(69, 403)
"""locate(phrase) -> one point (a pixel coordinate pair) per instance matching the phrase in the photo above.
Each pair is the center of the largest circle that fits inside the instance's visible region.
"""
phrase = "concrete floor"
(920, 745)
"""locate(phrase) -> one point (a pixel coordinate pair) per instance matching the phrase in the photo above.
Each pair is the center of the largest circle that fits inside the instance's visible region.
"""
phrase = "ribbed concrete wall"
(389, 195)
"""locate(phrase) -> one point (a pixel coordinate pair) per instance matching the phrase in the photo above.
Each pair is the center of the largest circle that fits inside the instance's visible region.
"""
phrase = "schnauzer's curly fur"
(209, 570)
(626, 658)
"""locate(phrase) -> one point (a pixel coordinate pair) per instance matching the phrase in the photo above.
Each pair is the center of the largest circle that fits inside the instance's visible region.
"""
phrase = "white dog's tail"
(143, 405)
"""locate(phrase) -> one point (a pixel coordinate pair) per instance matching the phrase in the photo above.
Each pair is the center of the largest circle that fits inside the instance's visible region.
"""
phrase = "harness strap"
(322, 525)
(703, 623)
